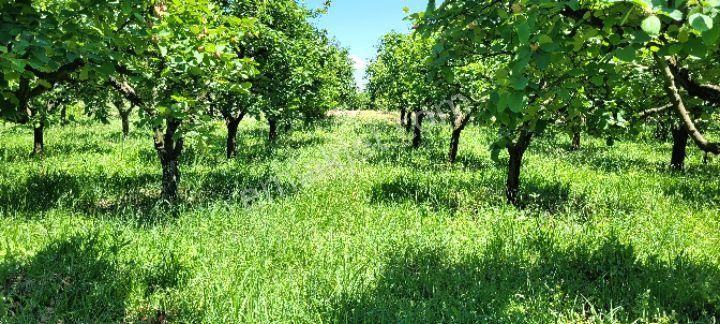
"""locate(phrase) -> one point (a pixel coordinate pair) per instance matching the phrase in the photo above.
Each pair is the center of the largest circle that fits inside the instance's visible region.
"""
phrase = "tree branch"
(707, 92)
(654, 111)
(677, 101)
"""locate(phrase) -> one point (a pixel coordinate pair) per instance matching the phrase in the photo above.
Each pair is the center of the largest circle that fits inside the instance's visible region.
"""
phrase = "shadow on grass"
(389, 144)
(81, 279)
(612, 160)
(604, 282)
(700, 193)
(74, 280)
(421, 192)
(252, 147)
(39, 192)
(55, 150)
(452, 193)
(237, 186)
(136, 197)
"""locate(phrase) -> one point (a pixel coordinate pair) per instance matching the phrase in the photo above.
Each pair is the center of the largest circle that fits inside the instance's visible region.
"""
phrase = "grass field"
(342, 222)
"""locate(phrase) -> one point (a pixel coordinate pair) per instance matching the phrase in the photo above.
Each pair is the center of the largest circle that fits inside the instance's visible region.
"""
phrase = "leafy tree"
(550, 48)
(301, 74)
(187, 45)
(400, 78)
(44, 44)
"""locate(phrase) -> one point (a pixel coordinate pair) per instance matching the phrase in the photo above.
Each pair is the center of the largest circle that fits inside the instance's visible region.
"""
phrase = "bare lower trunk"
(516, 152)
(63, 115)
(272, 133)
(417, 137)
(679, 151)
(454, 145)
(459, 124)
(232, 131)
(39, 140)
(125, 120)
(408, 121)
(169, 147)
(576, 141)
(403, 112)
(170, 179)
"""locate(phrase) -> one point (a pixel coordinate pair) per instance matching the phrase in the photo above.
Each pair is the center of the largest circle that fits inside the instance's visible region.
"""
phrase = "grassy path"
(343, 223)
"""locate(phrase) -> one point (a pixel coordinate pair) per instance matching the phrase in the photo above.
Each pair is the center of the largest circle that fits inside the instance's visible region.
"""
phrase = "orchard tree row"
(178, 64)
(532, 67)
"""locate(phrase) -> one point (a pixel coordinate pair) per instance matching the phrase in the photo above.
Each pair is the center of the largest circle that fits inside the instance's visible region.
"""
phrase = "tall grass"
(343, 222)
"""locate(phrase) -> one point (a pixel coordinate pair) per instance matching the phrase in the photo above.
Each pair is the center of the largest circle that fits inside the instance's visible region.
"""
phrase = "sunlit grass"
(342, 222)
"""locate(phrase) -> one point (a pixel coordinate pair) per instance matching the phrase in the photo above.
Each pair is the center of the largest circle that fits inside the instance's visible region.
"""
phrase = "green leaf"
(523, 31)
(652, 26)
(519, 82)
(626, 54)
(516, 102)
(711, 36)
(701, 22)
(677, 15)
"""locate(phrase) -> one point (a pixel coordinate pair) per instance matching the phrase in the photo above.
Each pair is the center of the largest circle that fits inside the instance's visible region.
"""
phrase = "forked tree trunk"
(232, 131)
(417, 137)
(516, 152)
(576, 141)
(679, 151)
(39, 140)
(272, 133)
(458, 126)
(678, 103)
(169, 148)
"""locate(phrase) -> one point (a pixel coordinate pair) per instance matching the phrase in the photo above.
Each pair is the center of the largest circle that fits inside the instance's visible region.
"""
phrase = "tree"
(550, 46)
(301, 74)
(385, 77)
(49, 43)
(191, 44)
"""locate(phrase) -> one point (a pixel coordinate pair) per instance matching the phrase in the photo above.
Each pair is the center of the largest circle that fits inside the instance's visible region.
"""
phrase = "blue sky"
(359, 24)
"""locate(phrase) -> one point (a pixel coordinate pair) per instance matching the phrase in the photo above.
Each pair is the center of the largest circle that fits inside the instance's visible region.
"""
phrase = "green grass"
(343, 223)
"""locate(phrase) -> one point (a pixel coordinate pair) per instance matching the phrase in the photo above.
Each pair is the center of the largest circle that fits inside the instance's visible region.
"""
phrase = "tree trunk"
(403, 112)
(459, 124)
(63, 115)
(576, 141)
(39, 140)
(170, 179)
(679, 152)
(677, 100)
(516, 152)
(232, 130)
(272, 134)
(417, 138)
(125, 120)
(169, 148)
(408, 121)
(454, 145)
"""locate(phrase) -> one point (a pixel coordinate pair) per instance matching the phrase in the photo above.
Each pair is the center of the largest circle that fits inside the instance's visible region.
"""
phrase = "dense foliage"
(177, 61)
(572, 66)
